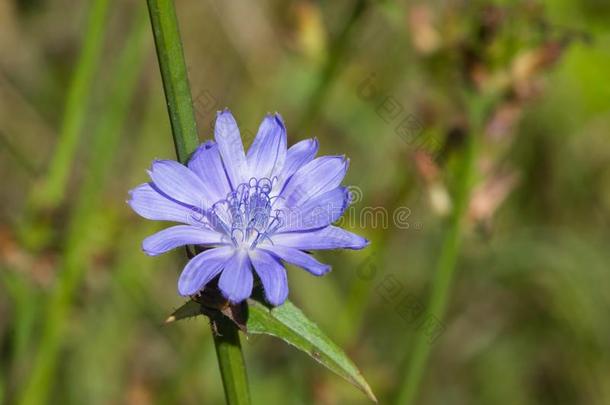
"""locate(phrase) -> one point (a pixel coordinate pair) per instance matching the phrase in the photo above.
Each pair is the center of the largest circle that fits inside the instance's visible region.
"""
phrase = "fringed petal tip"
(146, 251)
(278, 118)
(225, 110)
(209, 144)
(345, 161)
(324, 270)
(359, 244)
(132, 196)
(157, 161)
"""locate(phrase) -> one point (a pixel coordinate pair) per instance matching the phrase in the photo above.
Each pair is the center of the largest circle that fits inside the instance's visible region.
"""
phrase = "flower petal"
(179, 183)
(179, 235)
(267, 154)
(201, 269)
(316, 177)
(330, 237)
(236, 280)
(272, 275)
(207, 164)
(318, 212)
(152, 204)
(231, 148)
(298, 155)
(298, 258)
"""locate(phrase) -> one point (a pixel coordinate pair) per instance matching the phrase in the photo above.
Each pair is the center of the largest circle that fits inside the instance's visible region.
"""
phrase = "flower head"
(247, 211)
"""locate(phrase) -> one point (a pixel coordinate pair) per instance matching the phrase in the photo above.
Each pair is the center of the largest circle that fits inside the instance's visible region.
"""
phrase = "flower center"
(246, 215)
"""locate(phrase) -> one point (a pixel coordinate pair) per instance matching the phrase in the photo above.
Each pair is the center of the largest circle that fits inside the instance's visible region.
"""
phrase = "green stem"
(180, 108)
(448, 257)
(231, 362)
(173, 74)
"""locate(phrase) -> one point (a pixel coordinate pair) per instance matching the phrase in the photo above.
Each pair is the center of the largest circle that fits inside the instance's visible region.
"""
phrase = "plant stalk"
(182, 118)
(231, 362)
(174, 76)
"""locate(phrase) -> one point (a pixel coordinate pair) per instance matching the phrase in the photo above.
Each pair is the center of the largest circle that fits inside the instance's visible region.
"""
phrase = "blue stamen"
(246, 216)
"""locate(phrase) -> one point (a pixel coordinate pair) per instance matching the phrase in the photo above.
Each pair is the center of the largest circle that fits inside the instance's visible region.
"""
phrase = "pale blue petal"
(298, 155)
(207, 164)
(272, 275)
(316, 177)
(318, 212)
(179, 183)
(152, 204)
(201, 269)
(267, 154)
(180, 235)
(231, 148)
(236, 279)
(330, 237)
(298, 258)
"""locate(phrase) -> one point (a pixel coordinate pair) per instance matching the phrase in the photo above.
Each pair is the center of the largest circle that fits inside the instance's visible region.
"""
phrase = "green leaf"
(288, 323)
(189, 309)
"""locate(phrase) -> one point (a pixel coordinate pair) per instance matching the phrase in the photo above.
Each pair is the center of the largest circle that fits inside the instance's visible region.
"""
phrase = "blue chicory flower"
(254, 210)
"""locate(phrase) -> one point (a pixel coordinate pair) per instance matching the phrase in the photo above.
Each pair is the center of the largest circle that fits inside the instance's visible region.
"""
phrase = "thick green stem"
(174, 76)
(180, 108)
(231, 362)
(447, 260)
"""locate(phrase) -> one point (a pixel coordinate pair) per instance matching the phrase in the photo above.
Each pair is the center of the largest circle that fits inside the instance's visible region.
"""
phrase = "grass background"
(82, 115)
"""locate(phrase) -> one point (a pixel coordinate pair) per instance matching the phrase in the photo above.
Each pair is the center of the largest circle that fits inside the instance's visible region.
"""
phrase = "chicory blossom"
(245, 211)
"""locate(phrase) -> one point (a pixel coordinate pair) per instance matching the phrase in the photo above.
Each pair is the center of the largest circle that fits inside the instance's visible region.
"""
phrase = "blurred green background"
(82, 115)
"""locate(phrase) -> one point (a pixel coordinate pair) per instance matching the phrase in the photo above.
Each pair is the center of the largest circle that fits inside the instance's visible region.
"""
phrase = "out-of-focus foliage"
(383, 82)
